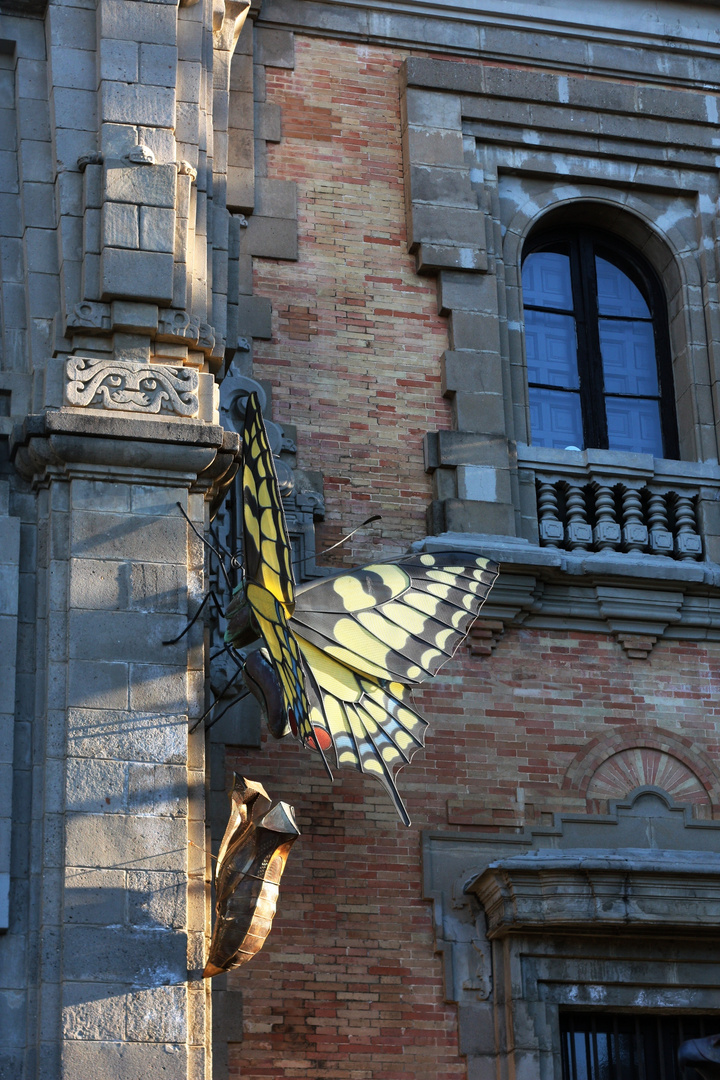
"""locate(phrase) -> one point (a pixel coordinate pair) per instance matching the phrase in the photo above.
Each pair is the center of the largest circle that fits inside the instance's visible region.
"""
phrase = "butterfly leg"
(218, 610)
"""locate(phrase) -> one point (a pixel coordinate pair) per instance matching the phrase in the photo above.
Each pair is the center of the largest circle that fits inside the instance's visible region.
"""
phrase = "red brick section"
(348, 986)
(354, 358)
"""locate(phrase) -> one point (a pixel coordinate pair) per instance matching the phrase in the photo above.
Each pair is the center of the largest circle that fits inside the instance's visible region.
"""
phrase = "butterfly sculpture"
(340, 656)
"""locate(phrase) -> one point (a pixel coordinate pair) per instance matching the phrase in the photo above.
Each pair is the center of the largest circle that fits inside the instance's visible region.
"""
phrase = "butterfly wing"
(269, 580)
(368, 636)
(266, 547)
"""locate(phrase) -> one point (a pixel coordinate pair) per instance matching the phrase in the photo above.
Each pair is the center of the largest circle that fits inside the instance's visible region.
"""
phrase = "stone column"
(118, 874)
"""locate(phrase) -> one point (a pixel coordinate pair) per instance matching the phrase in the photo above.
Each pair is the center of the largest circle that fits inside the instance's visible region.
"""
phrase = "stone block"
(73, 68)
(134, 318)
(13, 1010)
(254, 317)
(240, 187)
(120, 225)
(146, 185)
(96, 787)
(123, 1061)
(275, 48)
(156, 898)
(475, 331)
(98, 584)
(124, 736)
(276, 198)
(93, 1012)
(156, 587)
(132, 635)
(480, 412)
(119, 60)
(157, 1015)
(469, 448)
(143, 21)
(479, 517)
(96, 685)
(158, 67)
(145, 275)
(158, 790)
(115, 841)
(157, 689)
(471, 373)
(157, 229)
(447, 225)
(268, 122)
(137, 538)
(271, 238)
(442, 185)
(38, 206)
(95, 896)
(72, 27)
(427, 109)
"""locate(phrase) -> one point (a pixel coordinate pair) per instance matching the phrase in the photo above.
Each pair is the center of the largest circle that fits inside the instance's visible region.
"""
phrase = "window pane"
(628, 355)
(551, 346)
(617, 295)
(546, 280)
(555, 418)
(634, 426)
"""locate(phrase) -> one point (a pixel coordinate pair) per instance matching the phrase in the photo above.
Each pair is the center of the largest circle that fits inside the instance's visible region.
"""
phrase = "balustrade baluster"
(688, 543)
(606, 533)
(552, 533)
(661, 540)
(635, 534)
(579, 532)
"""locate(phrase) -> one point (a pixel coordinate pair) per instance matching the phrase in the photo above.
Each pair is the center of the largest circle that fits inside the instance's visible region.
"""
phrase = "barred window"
(628, 1046)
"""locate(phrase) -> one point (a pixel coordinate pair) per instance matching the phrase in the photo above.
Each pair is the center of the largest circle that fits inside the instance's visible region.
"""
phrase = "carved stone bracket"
(128, 386)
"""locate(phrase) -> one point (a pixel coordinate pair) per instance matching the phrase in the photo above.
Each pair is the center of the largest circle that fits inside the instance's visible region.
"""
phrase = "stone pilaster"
(118, 871)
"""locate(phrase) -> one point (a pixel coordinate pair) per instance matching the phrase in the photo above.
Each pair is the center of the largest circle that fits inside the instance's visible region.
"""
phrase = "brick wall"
(357, 340)
(348, 985)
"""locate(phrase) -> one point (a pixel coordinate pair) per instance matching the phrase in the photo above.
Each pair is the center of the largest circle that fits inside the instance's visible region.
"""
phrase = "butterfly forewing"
(266, 550)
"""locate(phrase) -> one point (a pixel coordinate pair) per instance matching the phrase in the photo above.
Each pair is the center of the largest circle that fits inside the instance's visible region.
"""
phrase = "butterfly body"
(340, 656)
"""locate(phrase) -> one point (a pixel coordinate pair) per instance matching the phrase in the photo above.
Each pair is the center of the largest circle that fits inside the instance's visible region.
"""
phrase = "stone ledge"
(601, 890)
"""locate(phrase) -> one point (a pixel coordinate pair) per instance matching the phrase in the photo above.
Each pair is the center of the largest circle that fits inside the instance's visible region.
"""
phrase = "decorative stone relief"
(131, 387)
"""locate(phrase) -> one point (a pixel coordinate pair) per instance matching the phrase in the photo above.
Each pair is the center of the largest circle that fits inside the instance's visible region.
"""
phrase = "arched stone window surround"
(676, 263)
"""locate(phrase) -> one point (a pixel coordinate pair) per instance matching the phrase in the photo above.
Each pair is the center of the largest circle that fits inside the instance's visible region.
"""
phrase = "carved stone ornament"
(129, 386)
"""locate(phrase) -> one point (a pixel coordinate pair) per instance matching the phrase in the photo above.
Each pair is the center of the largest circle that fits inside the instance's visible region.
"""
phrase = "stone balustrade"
(597, 501)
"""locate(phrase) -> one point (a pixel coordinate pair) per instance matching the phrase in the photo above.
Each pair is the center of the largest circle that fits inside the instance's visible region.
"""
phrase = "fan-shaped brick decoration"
(642, 766)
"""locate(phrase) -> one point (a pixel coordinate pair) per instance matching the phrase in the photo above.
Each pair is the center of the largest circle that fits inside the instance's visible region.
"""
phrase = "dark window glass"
(598, 360)
(627, 1046)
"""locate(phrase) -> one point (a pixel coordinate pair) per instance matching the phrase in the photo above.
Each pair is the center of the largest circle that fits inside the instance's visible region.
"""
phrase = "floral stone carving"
(128, 386)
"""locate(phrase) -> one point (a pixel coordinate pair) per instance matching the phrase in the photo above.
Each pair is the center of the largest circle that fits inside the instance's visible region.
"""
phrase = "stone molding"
(65, 443)
(601, 891)
(125, 386)
(638, 600)
(547, 940)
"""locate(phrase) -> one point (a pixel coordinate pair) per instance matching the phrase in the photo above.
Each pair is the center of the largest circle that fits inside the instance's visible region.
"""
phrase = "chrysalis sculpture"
(251, 860)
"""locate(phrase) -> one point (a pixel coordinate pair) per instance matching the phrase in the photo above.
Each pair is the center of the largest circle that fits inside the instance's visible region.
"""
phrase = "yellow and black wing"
(367, 637)
(266, 547)
(269, 580)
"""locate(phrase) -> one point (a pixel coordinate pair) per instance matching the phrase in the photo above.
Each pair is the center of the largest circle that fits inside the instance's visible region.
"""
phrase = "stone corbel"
(228, 20)
(638, 617)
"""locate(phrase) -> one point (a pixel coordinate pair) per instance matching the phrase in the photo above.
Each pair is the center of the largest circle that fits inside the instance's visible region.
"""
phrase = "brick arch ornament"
(641, 757)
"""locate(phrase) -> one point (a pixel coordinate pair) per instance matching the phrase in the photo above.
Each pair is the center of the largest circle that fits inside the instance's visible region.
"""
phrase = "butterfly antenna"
(318, 555)
(208, 545)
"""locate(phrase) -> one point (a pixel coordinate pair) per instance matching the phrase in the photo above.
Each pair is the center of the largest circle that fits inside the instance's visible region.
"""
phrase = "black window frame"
(583, 243)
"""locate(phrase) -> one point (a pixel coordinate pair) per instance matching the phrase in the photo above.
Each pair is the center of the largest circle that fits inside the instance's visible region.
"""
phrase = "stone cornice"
(65, 442)
(602, 890)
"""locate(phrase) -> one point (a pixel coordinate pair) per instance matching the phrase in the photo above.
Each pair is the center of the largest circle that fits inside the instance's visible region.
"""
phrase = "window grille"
(628, 1046)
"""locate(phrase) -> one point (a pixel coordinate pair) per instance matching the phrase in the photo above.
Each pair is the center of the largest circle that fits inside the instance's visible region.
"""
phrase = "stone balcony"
(625, 544)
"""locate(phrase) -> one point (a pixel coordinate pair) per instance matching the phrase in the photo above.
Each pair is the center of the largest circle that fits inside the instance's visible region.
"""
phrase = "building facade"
(467, 256)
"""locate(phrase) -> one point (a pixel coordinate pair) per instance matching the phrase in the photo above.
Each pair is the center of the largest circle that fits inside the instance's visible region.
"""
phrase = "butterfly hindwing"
(266, 547)
(270, 617)
(365, 635)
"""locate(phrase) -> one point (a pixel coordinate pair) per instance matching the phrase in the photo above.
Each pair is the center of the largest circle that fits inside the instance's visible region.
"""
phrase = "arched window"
(598, 358)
